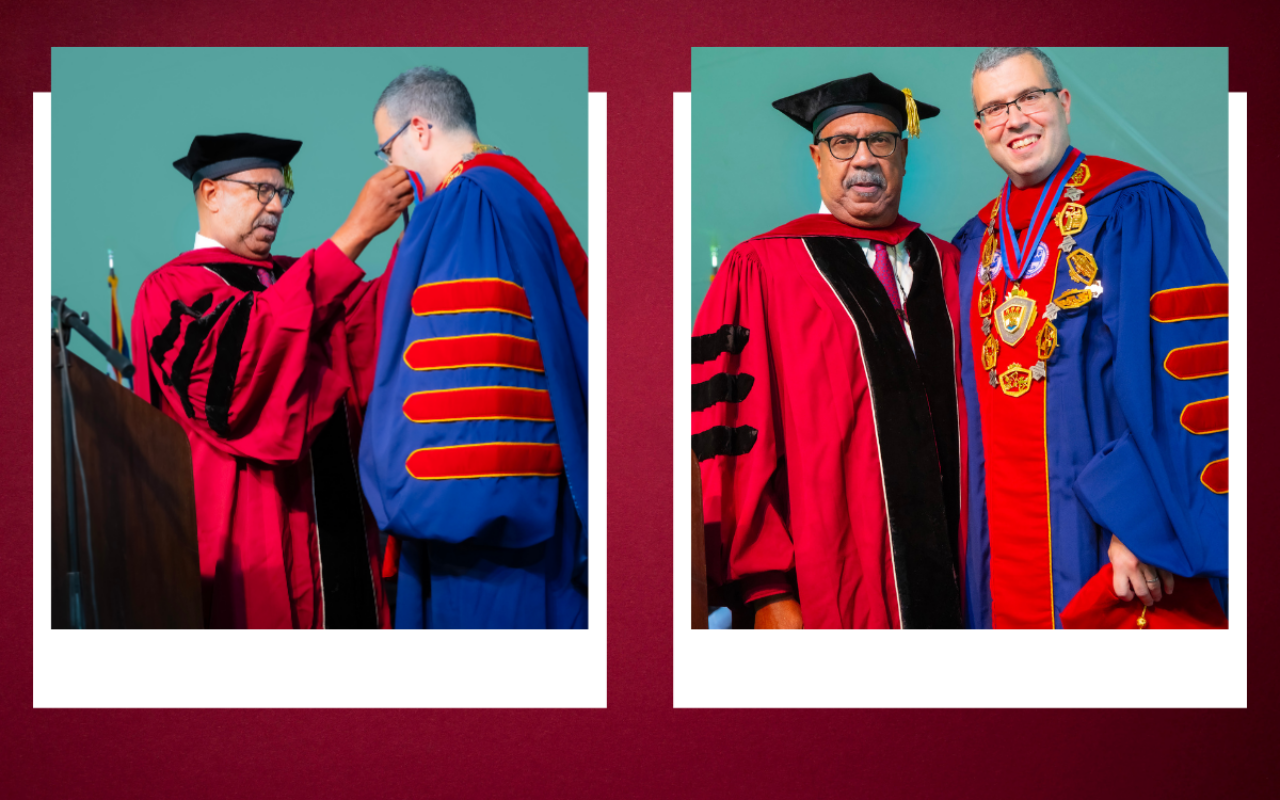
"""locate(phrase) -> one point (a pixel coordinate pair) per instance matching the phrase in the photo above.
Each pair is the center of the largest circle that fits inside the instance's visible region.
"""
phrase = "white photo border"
(996, 669)
(330, 669)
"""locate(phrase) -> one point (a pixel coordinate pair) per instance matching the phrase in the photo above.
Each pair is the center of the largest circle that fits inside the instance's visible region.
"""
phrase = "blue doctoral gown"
(482, 552)
(1119, 458)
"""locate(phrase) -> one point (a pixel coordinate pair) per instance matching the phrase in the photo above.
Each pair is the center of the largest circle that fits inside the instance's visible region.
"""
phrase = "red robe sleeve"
(363, 315)
(252, 372)
(737, 434)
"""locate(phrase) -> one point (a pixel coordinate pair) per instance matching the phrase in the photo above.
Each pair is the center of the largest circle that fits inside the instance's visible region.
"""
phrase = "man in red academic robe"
(258, 358)
(825, 397)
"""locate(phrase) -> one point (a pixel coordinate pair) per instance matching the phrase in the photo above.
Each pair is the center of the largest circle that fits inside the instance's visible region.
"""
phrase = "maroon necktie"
(266, 277)
(884, 271)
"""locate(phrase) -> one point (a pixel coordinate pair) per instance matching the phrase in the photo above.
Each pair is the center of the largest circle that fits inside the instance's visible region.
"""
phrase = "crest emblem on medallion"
(1016, 380)
(1014, 316)
(988, 250)
(986, 299)
(1074, 299)
(1082, 267)
(1081, 176)
(990, 350)
(1071, 219)
(1046, 341)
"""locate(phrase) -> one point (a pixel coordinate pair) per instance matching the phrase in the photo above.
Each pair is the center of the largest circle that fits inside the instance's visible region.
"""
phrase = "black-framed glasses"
(266, 191)
(844, 146)
(1028, 102)
(384, 150)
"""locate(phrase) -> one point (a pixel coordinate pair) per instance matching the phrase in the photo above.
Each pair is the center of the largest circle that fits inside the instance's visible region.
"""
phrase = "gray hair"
(993, 57)
(432, 93)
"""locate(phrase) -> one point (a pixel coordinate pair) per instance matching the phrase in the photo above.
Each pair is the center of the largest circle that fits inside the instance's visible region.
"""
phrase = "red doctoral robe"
(830, 453)
(255, 368)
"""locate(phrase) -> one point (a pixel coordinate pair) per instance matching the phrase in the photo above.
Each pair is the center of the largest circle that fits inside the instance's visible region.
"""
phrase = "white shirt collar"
(203, 242)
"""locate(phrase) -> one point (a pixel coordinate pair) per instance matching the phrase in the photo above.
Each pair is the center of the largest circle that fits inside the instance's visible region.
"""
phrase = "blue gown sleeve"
(1147, 487)
(460, 441)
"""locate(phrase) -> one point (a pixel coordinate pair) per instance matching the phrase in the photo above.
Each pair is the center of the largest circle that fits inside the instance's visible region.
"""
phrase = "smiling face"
(863, 191)
(1027, 147)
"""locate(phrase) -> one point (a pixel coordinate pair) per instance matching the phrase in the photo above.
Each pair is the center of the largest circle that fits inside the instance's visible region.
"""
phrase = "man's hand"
(778, 611)
(383, 197)
(1133, 578)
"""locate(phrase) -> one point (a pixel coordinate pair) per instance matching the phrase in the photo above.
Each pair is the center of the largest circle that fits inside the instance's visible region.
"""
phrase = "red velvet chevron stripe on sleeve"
(473, 295)
(1214, 476)
(481, 402)
(479, 350)
(1205, 416)
(1190, 302)
(1197, 361)
(495, 460)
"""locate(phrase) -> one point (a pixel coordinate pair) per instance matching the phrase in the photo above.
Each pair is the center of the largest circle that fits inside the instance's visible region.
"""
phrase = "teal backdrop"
(121, 117)
(1164, 109)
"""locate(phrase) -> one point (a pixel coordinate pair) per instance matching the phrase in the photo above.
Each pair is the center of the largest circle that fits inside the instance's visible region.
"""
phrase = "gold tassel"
(913, 116)
(288, 176)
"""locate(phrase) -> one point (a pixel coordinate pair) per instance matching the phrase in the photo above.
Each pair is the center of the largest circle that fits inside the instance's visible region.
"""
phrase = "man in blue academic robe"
(474, 446)
(1096, 419)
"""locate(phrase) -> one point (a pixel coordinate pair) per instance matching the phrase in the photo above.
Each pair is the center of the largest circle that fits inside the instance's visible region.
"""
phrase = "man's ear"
(208, 195)
(422, 130)
(815, 152)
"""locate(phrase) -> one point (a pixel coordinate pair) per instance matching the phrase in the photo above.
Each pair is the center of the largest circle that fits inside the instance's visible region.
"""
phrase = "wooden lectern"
(137, 464)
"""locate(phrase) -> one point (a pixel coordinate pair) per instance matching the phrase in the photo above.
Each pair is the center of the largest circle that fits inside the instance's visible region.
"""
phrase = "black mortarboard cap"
(217, 156)
(865, 94)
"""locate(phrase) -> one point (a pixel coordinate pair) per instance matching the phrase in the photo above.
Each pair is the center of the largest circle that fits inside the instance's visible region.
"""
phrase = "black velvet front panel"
(928, 590)
(349, 600)
(936, 356)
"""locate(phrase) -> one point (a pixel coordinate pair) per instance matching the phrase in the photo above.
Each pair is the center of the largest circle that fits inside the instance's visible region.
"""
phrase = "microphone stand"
(70, 447)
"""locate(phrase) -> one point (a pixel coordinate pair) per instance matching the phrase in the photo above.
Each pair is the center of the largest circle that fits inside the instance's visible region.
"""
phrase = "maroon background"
(639, 746)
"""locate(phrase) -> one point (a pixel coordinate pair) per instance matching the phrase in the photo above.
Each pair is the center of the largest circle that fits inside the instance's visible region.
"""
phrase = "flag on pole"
(118, 341)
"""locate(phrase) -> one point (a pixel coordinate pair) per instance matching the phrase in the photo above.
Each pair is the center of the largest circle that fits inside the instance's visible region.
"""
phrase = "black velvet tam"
(814, 108)
(217, 156)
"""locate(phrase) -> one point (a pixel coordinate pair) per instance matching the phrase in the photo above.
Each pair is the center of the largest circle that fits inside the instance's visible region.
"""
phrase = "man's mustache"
(864, 176)
(267, 220)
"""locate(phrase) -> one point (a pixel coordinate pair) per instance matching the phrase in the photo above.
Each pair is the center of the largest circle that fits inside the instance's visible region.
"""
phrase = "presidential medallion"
(990, 351)
(1071, 219)
(1080, 177)
(986, 300)
(1082, 267)
(1014, 316)
(1016, 380)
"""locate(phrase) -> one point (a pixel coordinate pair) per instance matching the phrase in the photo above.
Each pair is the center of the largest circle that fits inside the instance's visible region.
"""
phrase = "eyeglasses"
(266, 191)
(1028, 103)
(384, 150)
(844, 146)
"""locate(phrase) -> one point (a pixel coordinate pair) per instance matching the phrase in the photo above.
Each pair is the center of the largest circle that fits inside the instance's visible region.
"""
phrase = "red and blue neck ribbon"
(419, 188)
(1023, 252)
